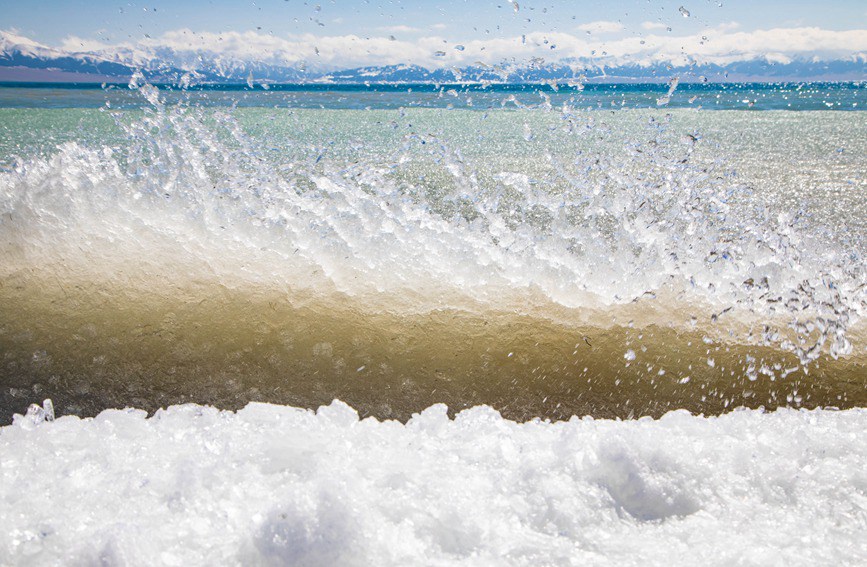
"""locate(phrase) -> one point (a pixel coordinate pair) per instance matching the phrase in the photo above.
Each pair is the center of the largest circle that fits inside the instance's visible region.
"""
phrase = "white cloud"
(399, 29)
(225, 51)
(653, 26)
(76, 44)
(317, 52)
(728, 26)
(601, 27)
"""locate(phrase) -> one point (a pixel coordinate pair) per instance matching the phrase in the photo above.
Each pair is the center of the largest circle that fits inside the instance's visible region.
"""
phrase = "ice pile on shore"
(269, 484)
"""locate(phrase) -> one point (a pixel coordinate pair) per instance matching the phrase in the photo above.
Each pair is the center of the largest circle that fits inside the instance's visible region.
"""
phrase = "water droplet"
(683, 11)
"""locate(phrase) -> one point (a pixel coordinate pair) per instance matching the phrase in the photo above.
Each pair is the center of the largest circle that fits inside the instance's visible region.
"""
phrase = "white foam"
(279, 485)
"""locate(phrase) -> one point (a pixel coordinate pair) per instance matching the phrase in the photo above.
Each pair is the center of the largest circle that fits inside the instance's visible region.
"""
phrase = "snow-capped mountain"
(20, 53)
(23, 59)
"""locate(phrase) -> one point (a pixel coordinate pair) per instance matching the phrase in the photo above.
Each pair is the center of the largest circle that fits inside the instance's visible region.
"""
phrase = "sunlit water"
(537, 252)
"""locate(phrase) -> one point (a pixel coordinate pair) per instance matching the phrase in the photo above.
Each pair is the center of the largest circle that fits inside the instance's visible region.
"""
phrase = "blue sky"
(333, 34)
(50, 21)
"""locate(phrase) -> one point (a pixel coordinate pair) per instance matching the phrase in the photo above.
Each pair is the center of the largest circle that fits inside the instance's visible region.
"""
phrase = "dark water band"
(91, 347)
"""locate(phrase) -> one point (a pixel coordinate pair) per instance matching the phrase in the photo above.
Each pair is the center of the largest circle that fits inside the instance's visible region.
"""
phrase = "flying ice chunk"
(35, 415)
(672, 86)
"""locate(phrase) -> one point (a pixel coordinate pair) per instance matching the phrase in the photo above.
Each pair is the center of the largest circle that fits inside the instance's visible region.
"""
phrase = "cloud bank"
(723, 45)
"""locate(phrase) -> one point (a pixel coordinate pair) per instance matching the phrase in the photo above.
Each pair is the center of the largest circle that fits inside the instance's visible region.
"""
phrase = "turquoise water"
(712, 96)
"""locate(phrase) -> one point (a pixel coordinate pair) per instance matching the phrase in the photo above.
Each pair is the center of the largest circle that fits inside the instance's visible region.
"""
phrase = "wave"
(200, 258)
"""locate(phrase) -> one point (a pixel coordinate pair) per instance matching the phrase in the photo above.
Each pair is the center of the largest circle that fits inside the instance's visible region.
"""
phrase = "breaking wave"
(398, 258)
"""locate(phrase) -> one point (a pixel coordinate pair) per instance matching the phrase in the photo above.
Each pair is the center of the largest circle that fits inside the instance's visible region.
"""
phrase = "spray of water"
(429, 221)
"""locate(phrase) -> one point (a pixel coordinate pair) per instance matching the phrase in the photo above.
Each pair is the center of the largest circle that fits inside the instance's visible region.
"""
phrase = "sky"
(344, 33)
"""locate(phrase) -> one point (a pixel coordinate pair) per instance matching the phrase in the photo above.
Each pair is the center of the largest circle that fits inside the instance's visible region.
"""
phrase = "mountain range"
(23, 59)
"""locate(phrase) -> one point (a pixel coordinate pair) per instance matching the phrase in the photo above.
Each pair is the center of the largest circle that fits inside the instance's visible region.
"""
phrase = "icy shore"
(269, 484)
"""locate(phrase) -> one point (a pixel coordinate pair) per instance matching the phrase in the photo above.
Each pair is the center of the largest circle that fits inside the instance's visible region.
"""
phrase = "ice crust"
(275, 485)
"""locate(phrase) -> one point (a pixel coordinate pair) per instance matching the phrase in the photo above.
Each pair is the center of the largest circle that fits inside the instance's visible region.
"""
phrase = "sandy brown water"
(90, 346)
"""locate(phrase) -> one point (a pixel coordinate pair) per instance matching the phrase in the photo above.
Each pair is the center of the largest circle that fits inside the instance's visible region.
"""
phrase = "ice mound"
(270, 484)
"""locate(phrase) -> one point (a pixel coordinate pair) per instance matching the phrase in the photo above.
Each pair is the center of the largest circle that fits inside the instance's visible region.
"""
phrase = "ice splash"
(426, 220)
(280, 485)
(418, 216)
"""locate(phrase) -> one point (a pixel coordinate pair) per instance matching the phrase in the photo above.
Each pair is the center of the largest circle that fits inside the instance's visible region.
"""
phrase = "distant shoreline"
(432, 86)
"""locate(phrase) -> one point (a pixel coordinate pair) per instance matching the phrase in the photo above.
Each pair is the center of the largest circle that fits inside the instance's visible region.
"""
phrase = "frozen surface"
(278, 485)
